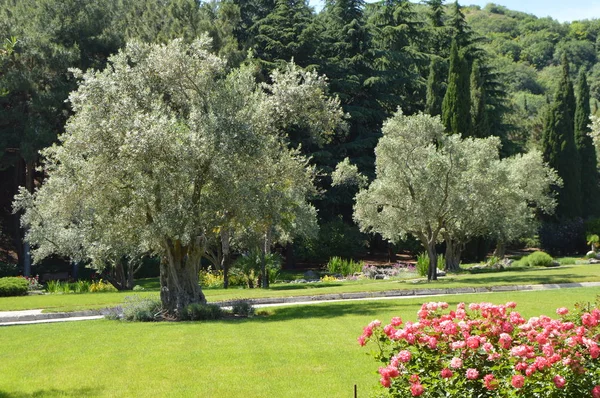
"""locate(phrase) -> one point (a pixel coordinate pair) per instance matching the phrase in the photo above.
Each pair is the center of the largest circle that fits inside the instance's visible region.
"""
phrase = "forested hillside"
(486, 71)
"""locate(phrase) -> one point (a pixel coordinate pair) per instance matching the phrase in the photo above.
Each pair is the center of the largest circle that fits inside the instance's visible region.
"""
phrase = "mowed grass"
(75, 302)
(303, 351)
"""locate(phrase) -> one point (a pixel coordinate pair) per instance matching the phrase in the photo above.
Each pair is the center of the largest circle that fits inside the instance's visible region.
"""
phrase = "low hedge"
(13, 286)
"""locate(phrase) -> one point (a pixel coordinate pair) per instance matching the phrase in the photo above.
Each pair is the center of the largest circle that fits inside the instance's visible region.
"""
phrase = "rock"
(310, 274)
(441, 273)
(594, 261)
(591, 254)
(379, 276)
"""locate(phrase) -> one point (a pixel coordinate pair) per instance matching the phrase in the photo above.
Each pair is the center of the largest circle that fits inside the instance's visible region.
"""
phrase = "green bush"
(202, 312)
(139, 309)
(247, 267)
(338, 265)
(242, 308)
(423, 263)
(13, 286)
(8, 269)
(537, 259)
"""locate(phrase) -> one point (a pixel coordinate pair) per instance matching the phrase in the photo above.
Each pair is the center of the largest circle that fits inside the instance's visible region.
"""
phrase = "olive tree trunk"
(225, 256)
(179, 269)
(500, 250)
(452, 256)
(264, 273)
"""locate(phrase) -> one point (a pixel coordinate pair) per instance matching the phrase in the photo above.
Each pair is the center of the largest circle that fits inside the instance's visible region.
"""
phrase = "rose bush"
(487, 350)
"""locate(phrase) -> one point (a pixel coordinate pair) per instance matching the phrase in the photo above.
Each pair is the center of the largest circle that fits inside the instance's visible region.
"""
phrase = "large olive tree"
(157, 140)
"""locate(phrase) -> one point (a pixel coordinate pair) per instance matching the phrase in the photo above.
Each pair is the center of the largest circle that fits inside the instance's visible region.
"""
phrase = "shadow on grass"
(53, 392)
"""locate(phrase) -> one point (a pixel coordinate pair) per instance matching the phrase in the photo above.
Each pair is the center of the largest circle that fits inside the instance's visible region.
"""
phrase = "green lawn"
(306, 351)
(74, 302)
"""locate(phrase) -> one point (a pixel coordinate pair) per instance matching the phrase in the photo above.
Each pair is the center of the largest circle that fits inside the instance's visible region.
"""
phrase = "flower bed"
(487, 350)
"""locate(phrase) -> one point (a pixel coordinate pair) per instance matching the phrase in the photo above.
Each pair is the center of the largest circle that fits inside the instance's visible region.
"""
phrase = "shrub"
(242, 308)
(138, 288)
(13, 286)
(101, 286)
(211, 279)
(137, 309)
(328, 279)
(8, 269)
(422, 264)
(33, 283)
(201, 312)
(248, 267)
(340, 266)
(57, 287)
(537, 259)
(486, 350)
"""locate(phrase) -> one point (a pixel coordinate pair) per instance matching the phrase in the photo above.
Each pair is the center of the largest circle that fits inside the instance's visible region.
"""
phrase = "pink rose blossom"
(472, 374)
(562, 311)
(416, 389)
(517, 381)
(446, 373)
(456, 363)
(596, 392)
(404, 356)
(559, 381)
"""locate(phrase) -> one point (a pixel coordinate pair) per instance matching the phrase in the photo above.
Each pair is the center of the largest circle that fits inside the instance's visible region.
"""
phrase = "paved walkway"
(11, 318)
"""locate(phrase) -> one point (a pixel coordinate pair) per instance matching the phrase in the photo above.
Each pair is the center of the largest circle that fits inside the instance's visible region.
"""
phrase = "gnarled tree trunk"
(225, 257)
(179, 269)
(500, 250)
(453, 253)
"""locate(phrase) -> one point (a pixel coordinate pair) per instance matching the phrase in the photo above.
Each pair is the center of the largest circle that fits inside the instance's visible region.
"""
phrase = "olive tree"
(444, 188)
(156, 140)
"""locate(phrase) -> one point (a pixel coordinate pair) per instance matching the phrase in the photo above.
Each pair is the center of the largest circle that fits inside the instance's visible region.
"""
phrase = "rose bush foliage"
(487, 350)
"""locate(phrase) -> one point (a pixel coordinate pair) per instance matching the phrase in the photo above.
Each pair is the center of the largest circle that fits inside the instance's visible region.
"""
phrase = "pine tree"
(395, 32)
(436, 12)
(480, 125)
(435, 87)
(456, 107)
(585, 147)
(558, 145)
(280, 34)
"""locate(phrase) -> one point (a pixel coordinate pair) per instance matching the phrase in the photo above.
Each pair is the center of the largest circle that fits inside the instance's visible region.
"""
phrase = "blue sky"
(562, 10)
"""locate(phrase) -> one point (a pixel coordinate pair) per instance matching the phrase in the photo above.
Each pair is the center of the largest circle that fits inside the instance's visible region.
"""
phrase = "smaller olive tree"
(438, 187)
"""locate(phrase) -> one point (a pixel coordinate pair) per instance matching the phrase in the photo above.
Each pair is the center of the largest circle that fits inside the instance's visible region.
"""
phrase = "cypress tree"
(480, 126)
(435, 87)
(456, 107)
(585, 147)
(558, 144)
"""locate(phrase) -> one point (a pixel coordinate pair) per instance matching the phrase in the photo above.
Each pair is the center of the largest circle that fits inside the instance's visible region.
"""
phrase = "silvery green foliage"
(165, 147)
(432, 185)
(347, 174)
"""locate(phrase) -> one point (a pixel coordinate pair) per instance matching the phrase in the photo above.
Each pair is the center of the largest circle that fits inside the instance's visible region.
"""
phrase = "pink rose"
(446, 373)
(472, 374)
(596, 392)
(416, 389)
(404, 356)
(456, 363)
(559, 381)
(517, 381)
(562, 311)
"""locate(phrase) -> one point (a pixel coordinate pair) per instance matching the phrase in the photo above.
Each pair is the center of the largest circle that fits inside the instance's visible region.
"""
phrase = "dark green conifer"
(585, 147)
(456, 107)
(559, 150)
(435, 87)
(480, 125)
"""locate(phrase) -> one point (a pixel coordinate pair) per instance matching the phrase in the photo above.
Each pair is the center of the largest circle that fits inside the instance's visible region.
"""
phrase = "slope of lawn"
(75, 302)
(304, 351)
